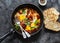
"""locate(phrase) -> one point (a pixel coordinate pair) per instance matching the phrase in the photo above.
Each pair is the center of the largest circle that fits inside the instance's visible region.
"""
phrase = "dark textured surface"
(6, 9)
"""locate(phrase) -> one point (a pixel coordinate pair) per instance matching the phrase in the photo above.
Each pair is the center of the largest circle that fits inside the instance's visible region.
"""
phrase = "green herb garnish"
(33, 27)
(17, 26)
(23, 11)
(36, 22)
(27, 23)
(26, 19)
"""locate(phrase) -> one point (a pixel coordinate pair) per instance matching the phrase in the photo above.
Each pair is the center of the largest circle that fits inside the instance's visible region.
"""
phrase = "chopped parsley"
(17, 26)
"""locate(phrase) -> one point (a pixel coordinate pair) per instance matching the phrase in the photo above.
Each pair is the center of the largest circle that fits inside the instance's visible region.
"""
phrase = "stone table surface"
(44, 36)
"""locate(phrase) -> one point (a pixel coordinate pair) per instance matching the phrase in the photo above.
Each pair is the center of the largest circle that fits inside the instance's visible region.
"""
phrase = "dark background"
(44, 36)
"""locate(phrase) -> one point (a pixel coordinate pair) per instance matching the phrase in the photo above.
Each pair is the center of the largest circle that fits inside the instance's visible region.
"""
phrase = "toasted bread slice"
(50, 19)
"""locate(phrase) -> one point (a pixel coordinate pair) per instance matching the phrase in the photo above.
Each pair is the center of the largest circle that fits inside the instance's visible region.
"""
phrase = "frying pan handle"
(6, 35)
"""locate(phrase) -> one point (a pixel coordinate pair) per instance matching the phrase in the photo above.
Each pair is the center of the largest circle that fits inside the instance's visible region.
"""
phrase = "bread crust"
(51, 16)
